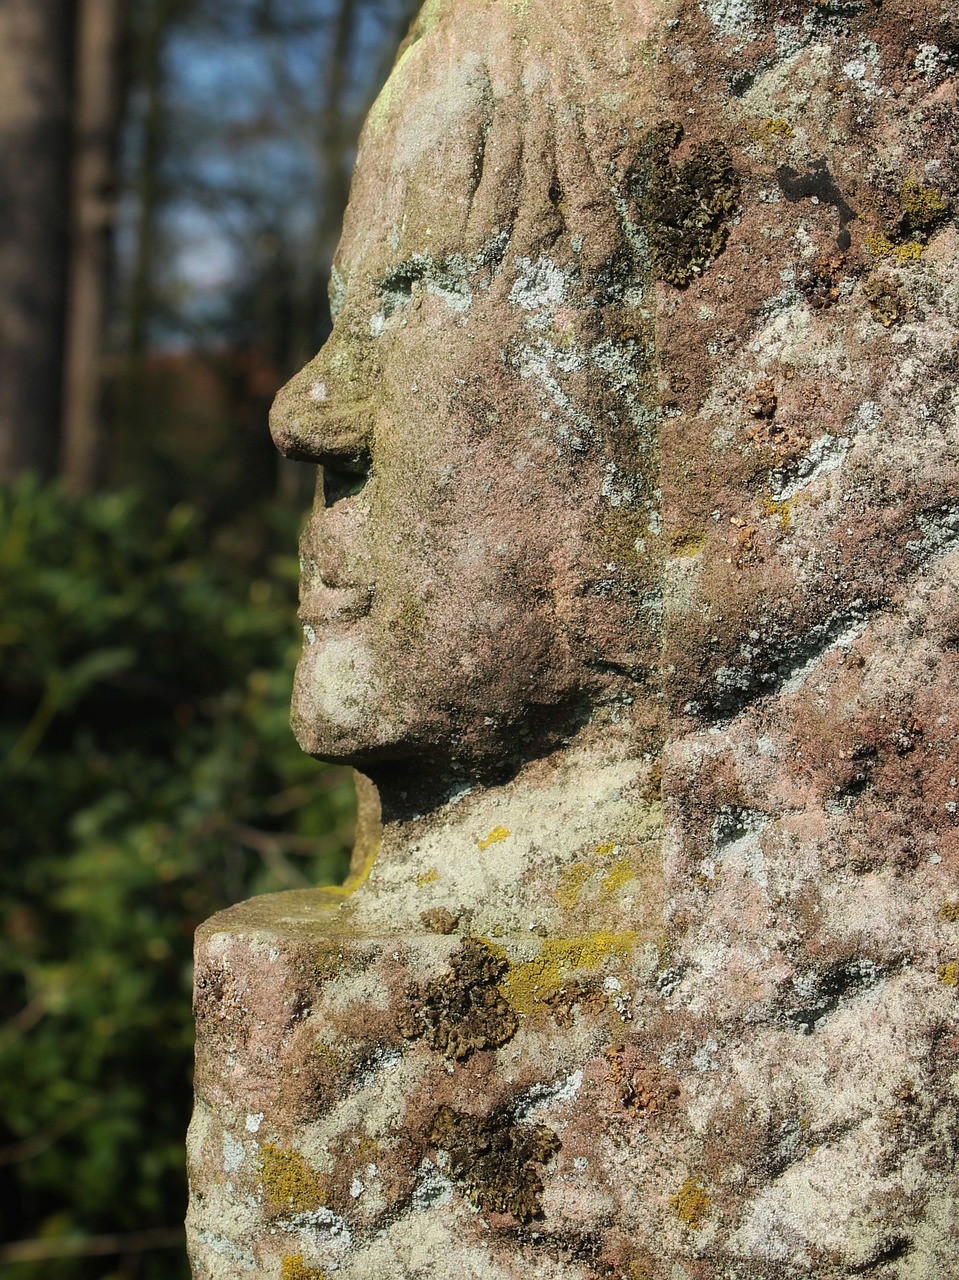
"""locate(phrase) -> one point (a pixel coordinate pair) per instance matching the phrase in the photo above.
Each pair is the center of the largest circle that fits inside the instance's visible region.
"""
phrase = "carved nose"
(311, 423)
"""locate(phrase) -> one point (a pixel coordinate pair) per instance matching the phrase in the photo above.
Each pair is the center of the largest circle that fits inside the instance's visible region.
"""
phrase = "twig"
(91, 1246)
(48, 1134)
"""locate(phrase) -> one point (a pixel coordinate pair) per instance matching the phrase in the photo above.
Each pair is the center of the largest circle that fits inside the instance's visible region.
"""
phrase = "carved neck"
(569, 845)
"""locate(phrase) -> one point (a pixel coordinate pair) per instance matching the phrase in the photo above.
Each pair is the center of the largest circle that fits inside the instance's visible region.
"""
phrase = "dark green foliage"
(148, 777)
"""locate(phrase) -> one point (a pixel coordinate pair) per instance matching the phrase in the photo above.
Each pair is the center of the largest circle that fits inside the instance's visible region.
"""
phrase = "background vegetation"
(147, 565)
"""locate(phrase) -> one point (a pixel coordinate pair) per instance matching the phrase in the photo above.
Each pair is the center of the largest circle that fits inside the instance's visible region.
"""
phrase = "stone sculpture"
(631, 589)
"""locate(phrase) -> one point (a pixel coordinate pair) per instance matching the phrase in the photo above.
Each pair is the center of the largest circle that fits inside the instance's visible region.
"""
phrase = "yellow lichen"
(571, 884)
(949, 911)
(779, 509)
(427, 877)
(922, 206)
(908, 252)
(691, 1202)
(289, 1182)
(606, 848)
(619, 874)
(772, 129)
(294, 1268)
(530, 983)
(353, 881)
(687, 542)
(949, 974)
(496, 836)
(880, 246)
(332, 1057)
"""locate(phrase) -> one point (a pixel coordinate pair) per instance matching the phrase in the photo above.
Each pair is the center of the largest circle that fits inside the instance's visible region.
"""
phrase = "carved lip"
(324, 605)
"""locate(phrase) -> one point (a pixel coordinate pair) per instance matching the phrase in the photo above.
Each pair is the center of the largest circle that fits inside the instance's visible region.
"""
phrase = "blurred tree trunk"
(35, 74)
(157, 20)
(96, 123)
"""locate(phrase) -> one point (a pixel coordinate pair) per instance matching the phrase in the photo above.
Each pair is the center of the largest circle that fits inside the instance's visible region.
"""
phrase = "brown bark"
(35, 44)
(93, 205)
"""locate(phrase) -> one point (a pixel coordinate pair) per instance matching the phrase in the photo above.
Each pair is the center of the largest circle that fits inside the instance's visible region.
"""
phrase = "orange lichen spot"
(691, 1202)
(496, 836)
(427, 877)
(949, 974)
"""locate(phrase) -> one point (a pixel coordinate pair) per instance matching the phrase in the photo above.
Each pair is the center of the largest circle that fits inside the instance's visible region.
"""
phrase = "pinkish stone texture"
(634, 594)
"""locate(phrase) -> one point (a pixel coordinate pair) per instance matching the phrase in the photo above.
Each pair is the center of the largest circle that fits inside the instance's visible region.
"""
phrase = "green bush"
(148, 777)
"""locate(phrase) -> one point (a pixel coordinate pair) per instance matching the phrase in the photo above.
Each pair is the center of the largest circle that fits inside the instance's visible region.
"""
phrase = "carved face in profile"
(475, 565)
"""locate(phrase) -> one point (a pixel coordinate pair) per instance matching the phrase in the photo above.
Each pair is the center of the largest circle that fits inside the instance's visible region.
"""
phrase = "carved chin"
(334, 698)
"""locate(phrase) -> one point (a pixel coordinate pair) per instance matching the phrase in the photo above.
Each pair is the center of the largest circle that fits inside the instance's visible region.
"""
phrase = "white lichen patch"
(233, 1153)
(433, 1190)
(930, 59)
(540, 287)
(732, 17)
(858, 71)
(342, 678)
(421, 276)
(824, 456)
(541, 1097)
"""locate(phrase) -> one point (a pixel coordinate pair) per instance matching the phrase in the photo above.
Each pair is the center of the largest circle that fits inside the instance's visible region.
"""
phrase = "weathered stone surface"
(643, 620)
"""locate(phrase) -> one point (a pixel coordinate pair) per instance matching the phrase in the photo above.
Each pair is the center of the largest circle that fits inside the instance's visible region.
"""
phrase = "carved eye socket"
(339, 484)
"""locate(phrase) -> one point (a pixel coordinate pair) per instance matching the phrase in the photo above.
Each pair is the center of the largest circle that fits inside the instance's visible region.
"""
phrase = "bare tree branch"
(91, 1246)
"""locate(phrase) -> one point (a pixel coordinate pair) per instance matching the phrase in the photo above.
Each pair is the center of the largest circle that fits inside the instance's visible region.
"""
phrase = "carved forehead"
(493, 112)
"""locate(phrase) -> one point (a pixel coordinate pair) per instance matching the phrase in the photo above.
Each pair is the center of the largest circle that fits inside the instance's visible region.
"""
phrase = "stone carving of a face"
(479, 562)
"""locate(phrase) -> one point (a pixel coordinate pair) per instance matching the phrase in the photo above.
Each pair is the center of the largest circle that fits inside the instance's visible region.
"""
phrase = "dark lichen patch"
(684, 208)
(821, 991)
(885, 301)
(464, 1010)
(439, 920)
(494, 1159)
(643, 1089)
(820, 283)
